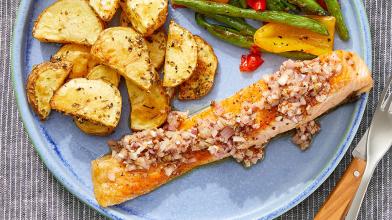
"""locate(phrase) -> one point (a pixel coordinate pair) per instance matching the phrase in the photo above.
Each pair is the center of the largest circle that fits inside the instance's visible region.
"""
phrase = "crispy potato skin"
(79, 56)
(128, 185)
(149, 109)
(202, 79)
(105, 9)
(91, 100)
(42, 82)
(146, 16)
(126, 51)
(68, 21)
(181, 56)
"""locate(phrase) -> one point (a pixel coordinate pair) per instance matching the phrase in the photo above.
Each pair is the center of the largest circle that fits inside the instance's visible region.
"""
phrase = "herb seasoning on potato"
(181, 56)
(68, 21)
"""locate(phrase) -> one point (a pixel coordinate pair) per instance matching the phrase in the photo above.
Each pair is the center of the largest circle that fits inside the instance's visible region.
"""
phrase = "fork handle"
(336, 206)
(353, 211)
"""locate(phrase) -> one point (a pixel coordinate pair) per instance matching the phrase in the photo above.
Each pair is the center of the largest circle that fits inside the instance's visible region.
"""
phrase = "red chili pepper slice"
(251, 61)
(258, 5)
(322, 4)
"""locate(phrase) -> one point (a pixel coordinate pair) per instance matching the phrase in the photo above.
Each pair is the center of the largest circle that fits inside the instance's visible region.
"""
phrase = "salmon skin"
(354, 79)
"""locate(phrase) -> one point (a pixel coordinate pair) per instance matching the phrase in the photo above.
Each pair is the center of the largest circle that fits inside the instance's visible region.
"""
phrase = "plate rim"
(20, 26)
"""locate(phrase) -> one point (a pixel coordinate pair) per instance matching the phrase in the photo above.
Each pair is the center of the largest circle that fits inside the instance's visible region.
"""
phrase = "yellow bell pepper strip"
(278, 38)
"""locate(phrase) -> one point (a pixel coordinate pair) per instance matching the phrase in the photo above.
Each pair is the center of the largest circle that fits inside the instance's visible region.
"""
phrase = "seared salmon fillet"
(115, 183)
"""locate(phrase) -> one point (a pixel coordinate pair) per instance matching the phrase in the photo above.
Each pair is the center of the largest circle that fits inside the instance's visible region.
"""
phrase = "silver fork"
(379, 140)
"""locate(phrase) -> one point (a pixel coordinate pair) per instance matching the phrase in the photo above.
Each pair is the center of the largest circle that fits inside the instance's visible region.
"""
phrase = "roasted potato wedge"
(91, 100)
(79, 56)
(109, 75)
(105, 73)
(105, 9)
(202, 78)
(92, 128)
(146, 16)
(43, 81)
(125, 50)
(68, 21)
(156, 44)
(181, 56)
(149, 109)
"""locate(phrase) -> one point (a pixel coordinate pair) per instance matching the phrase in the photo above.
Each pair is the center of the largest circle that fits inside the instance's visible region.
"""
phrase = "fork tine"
(385, 94)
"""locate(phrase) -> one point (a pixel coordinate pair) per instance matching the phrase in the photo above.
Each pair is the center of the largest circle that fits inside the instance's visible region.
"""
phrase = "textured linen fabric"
(29, 191)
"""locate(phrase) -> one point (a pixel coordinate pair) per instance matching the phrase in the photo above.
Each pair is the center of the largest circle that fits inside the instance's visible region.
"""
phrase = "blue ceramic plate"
(222, 190)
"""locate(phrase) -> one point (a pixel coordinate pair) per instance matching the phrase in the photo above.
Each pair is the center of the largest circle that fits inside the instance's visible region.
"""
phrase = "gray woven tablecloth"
(29, 191)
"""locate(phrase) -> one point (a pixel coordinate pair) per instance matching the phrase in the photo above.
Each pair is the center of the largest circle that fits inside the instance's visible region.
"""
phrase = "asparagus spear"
(310, 6)
(334, 8)
(235, 38)
(207, 7)
(239, 25)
